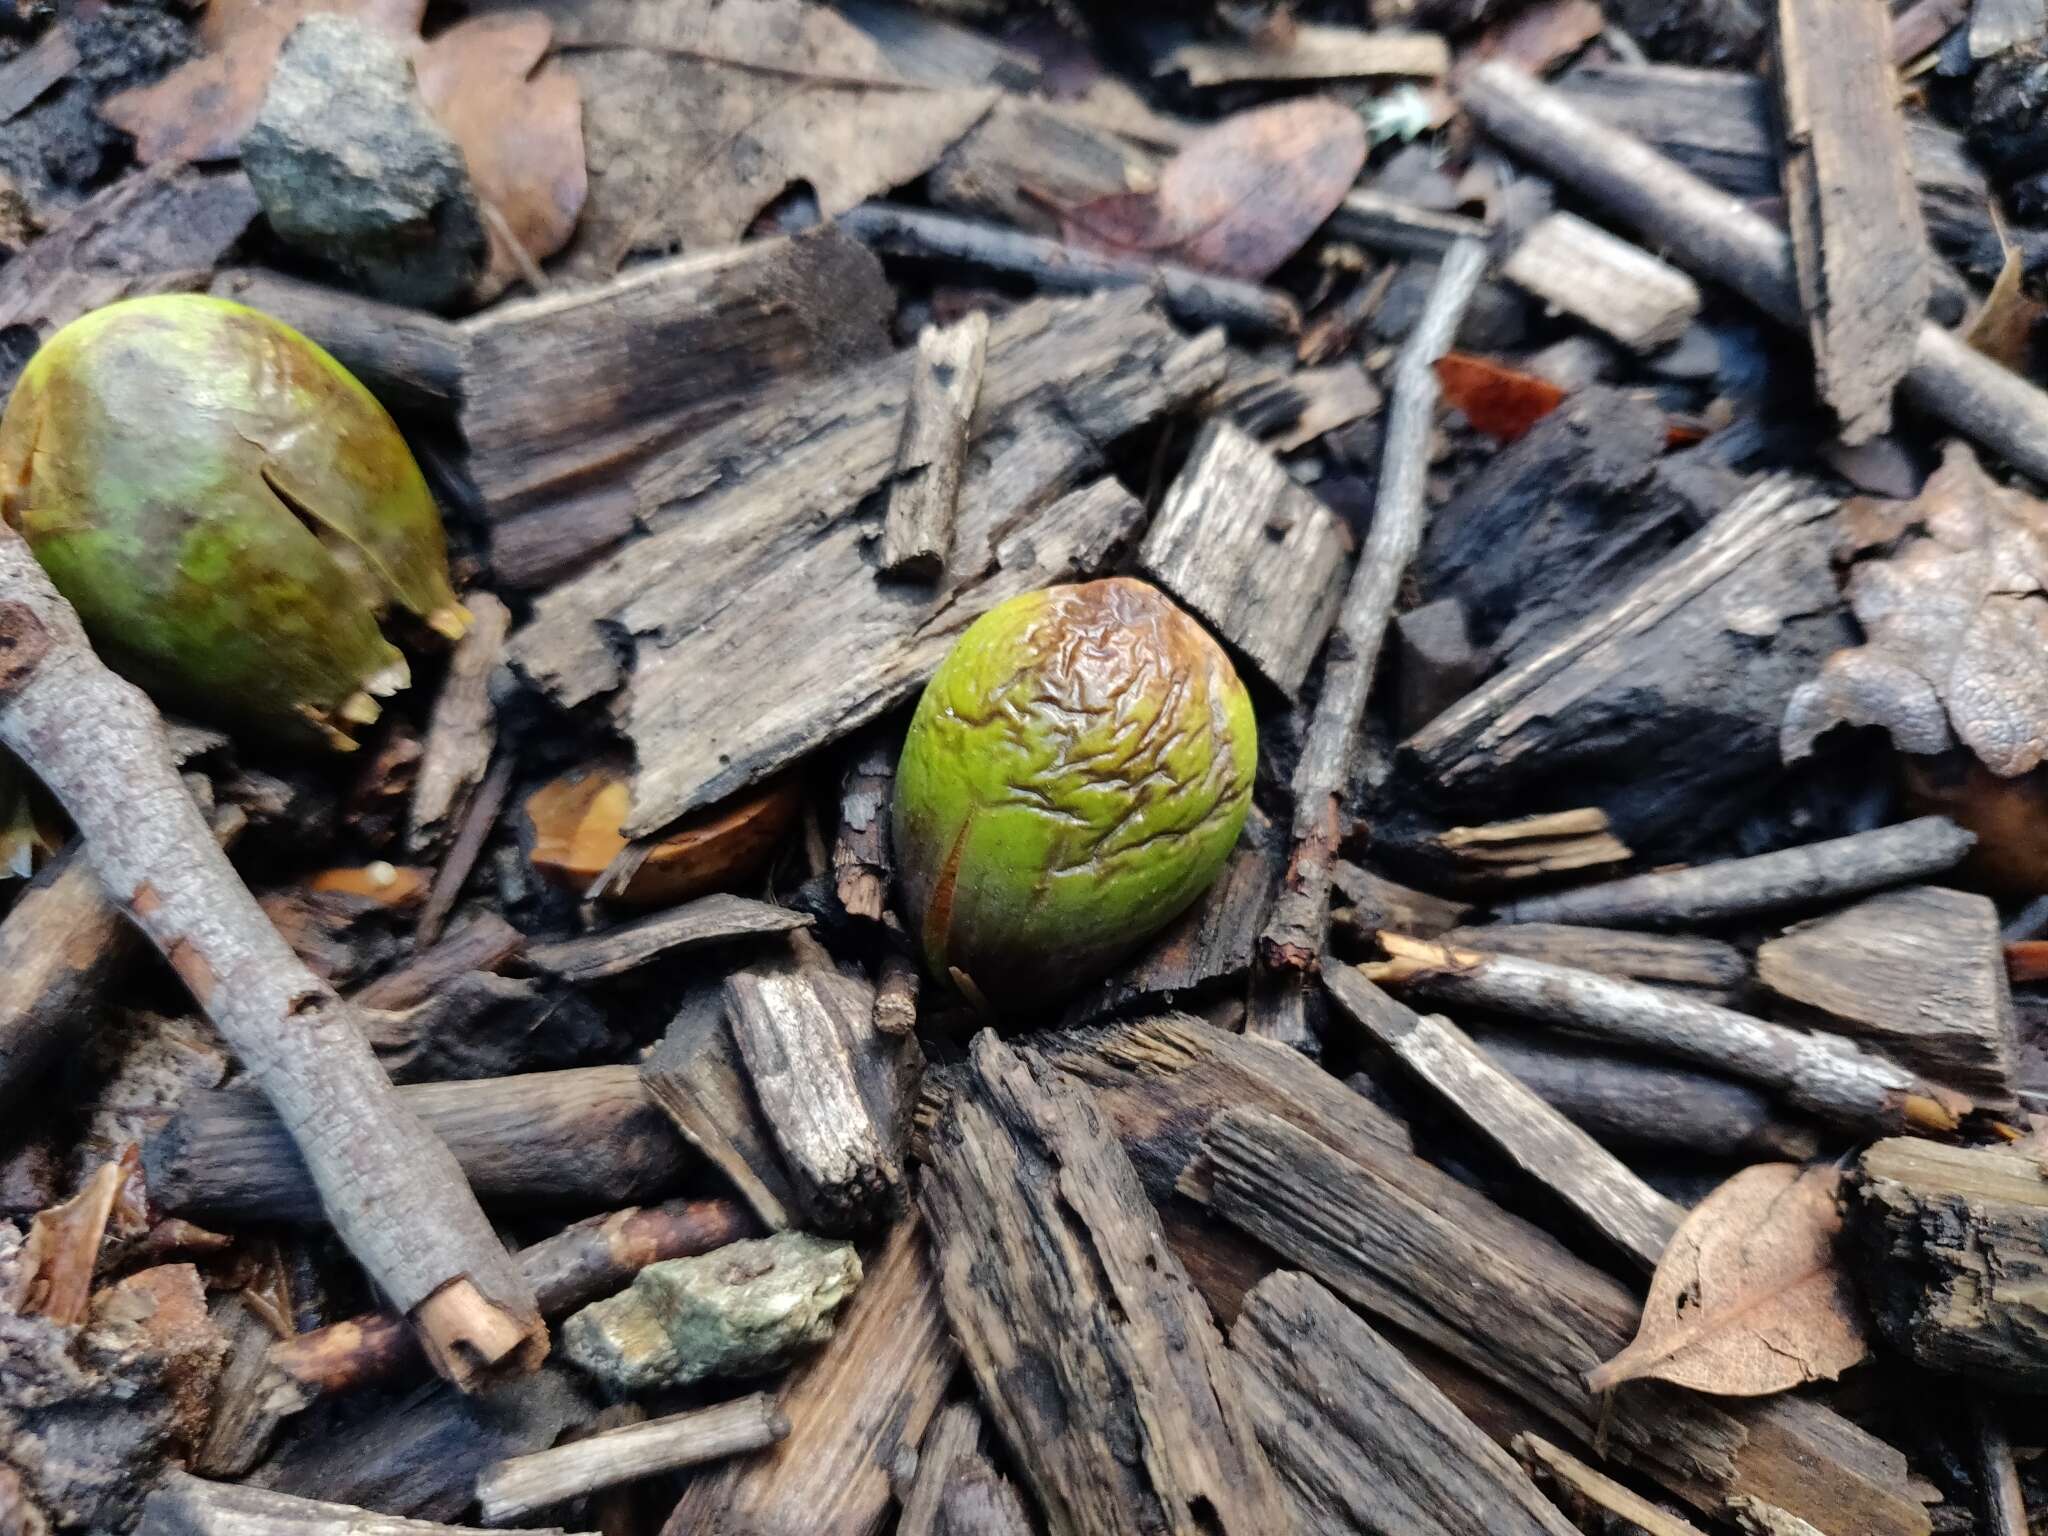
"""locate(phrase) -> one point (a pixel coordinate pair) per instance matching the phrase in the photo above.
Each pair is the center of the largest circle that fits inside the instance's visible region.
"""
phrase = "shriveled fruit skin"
(1075, 775)
(227, 507)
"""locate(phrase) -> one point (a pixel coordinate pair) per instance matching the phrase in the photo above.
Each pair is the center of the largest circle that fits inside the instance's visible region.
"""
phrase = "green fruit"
(1076, 774)
(229, 510)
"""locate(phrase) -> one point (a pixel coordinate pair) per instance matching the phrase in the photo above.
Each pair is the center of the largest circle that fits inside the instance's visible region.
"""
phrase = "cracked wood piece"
(393, 1192)
(509, 1489)
(1411, 1246)
(183, 1505)
(1257, 557)
(1718, 634)
(861, 862)
(917, 529)
(1951, 1247)
(1619, 289)
(462, 730)
(1093, 1352)
(805, 1036)
(1826, 1075)
(716, 919)
(696, 1076)
(1722, 239)
(1705, 968)
(896, 988)
(1364, 1442)
(1547, 1147)
(1920, 972)
(1857, 240)
(1529, 847)
(854, 1408)
(1194, 297)
(1809, 875)
(35, 69)
(63, 947)
(1377, 902)
(586, 1137)
(582, 1262)
(583, 385)
(1294, 935)
(956, 1489)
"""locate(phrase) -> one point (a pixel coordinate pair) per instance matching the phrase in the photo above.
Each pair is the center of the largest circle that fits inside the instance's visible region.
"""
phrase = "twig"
(393, 1192)
(1769, 882)
(1824, 1074)
(1581, 1482)
(1195, 297)
(1718, 236)
(508, 1489)
(1293, 938)
(463, 729)
(577, 1265)
(917, 532)
(2005, 1508)
(477, 821)
(896, 994)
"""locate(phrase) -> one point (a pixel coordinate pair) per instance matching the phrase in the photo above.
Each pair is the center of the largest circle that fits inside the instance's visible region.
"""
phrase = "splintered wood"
(1857, 238)
(1619, 289)
(917, 532)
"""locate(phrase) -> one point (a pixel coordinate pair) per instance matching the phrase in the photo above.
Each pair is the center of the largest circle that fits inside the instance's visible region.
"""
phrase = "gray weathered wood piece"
(1619, 289)
(917, 531)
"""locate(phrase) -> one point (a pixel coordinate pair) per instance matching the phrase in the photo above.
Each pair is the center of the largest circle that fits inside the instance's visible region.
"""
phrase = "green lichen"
(228, 508)
(1076, 774)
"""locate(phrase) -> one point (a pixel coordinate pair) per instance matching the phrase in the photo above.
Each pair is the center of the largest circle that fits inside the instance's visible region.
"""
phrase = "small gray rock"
(351, 168)
(739, 1310)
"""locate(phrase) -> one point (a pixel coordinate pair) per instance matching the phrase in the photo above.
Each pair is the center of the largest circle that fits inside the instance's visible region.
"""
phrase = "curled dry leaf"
(1502, 402)
(1952, 594)
(518, 120)
(1749, 1298)
(1240, 198)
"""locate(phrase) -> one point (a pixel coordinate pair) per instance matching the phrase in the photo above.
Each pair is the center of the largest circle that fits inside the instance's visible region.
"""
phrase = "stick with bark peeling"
(1719, 236)
(395, 1195)
(1825, 1075)
(1294, 937)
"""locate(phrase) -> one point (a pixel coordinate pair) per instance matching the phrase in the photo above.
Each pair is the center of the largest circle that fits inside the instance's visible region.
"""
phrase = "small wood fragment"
(1167, 1445)
(63, 946)
(509, 1489)
(1313, 52)
(1532, 847)
(1918, 972)
(2004, 1503)
(1619, 289)
(1584, 1484)
(917, 530)
(613, 952)
(1951, 1247)
(1362, 1440)
(1704, 967)
(896, 995)
(1808, 875)
(698, 1079)
(853, 1408)
(462, 729)
(183, 1505)
(479, 818)
(1857, 240)
(1257, 557)
(1386, 224)
(1293, 938)
(1382, 903)
(35, 69)
(862, 864)
(1825, 1075)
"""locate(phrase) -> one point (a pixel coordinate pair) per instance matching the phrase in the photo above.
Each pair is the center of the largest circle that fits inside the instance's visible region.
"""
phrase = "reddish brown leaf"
(1502, 402)
(1748, 1298)
(1241, 197)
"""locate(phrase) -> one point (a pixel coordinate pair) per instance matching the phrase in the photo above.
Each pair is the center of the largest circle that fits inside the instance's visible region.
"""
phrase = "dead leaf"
(1748, 1298)
(577, 841)
(1955, 619)
(699, 114)
(2003, 329)
(518, 121)
(1240, 198)
(1502, 402)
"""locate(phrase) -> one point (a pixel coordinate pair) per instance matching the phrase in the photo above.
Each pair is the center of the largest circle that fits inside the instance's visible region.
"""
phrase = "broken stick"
(1293, 939)
(1718, 236)
(394, 1193)
(917, 533)
(184, 1505)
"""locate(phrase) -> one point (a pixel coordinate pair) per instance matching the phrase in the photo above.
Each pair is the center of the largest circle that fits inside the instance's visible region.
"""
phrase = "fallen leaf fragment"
(1749, 1298)
(1240, 198)
(1952, 594)
(1502, 402)
(2003, 328)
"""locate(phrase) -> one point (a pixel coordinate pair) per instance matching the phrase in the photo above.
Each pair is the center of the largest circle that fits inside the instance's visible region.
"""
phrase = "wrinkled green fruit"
(229, 510)
(1076, 774)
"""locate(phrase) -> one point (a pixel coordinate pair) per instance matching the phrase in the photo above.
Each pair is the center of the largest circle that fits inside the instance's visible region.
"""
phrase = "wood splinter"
(917, 534)
(393, 1192)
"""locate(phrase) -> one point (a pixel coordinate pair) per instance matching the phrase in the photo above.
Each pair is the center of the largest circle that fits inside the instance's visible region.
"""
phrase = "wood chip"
(1619, 289)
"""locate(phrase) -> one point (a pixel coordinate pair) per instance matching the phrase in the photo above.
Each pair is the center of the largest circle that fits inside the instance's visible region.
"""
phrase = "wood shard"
(1314, 52)
(1094, 1354)
(183, 1505)
(1363, 1441)
(1619, 289)
(917, 530)
(1857, 238)
(1258, 557)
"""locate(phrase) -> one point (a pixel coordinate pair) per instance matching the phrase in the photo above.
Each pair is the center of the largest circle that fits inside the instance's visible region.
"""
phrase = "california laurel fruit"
(228, 509)
(1076, 774)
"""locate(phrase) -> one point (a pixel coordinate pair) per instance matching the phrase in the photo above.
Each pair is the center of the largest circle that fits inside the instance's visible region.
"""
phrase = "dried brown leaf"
(1955, 619)
(1748, 1298)
(2003, 329)
(1500, 401)
(1241, 197)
